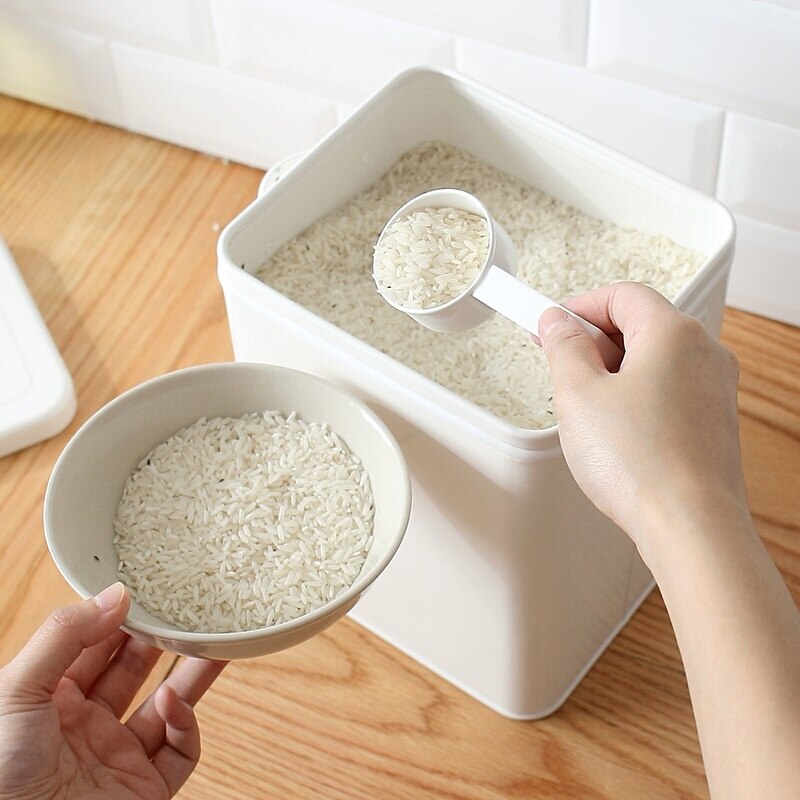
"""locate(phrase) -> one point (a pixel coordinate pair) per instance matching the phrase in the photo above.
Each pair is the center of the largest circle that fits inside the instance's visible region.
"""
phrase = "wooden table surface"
(115, 235)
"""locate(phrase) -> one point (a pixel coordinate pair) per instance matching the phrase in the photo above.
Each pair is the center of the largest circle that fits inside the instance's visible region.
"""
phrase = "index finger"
(625, 307)
(64, 636)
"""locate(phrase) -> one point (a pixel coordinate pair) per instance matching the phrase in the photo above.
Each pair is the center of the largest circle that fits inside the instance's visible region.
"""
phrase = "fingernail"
(550, 318)
(110, 597)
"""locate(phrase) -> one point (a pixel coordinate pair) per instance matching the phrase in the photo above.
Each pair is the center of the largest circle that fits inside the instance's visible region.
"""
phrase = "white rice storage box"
(509, 583)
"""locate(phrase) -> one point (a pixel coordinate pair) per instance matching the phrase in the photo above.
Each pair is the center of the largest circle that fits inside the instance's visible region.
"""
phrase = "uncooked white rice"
(428, 257)
(561, 251)
(236, 523)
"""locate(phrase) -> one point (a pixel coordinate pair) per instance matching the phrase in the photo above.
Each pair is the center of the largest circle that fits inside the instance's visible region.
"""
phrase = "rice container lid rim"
(550, 126)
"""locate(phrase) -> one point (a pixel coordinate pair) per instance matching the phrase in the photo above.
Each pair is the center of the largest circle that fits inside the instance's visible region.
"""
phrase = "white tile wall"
(760, 171)
(216, 111)
(735, 53)
(57, 67)
(674, 135)
(322, 47)
(707, 91)
(552, 28)
(182, 27)
(765, 278)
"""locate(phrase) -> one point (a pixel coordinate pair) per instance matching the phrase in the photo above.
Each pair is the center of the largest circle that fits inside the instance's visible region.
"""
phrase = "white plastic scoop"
(494, 288)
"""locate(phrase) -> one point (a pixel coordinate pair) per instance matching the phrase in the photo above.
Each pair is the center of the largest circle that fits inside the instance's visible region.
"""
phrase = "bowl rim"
(361, 583)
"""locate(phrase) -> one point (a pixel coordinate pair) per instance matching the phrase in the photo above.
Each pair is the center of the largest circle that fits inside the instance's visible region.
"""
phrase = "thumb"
(64, 635)
(570, 350)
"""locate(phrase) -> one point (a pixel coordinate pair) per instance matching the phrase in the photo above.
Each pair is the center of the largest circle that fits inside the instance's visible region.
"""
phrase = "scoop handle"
(523, 305)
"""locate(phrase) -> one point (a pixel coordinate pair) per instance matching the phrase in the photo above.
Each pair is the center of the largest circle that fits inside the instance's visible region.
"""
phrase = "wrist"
(672, 525)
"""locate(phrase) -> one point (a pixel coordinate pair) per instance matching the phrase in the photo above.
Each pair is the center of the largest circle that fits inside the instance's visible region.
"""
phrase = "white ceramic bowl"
(87, 481)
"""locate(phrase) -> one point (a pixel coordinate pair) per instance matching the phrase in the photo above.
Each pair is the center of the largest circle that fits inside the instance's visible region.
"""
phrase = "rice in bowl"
(239, 523)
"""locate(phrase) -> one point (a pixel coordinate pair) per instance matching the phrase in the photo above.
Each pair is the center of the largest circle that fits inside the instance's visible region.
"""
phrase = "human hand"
(658, 437)
(61, 700)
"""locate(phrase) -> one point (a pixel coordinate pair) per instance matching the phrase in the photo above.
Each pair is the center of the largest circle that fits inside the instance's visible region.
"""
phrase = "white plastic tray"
(37, 398)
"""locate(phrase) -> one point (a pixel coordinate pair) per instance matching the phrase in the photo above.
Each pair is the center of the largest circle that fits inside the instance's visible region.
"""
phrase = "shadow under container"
(509, 583)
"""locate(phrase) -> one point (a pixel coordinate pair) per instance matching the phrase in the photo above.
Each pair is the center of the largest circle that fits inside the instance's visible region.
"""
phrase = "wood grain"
(115, 235)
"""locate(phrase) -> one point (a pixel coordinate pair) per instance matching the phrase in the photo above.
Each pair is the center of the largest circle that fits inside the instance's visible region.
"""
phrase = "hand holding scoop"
(493, 288)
